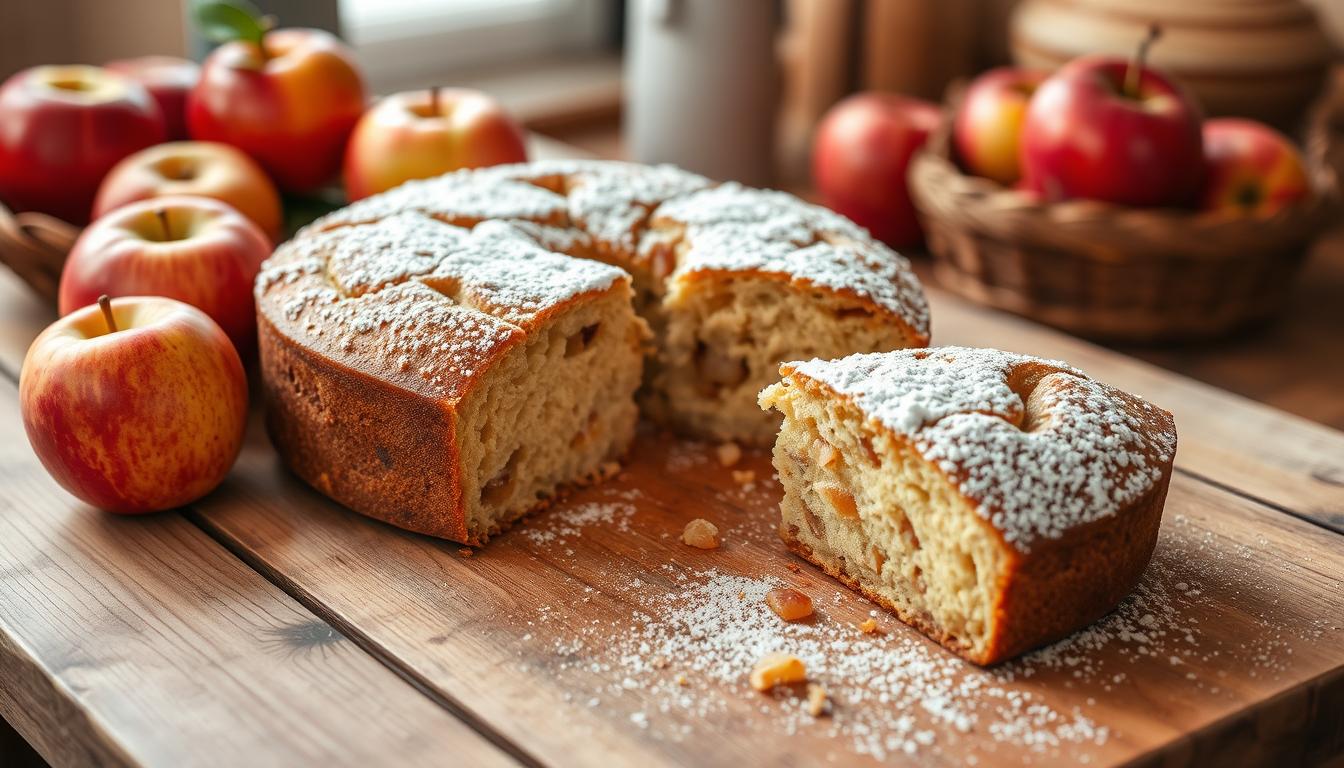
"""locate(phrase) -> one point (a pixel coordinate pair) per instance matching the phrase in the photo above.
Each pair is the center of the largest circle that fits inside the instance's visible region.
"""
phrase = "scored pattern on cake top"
(502, 240)
(443, 300)
(739, 229)
(633, 209)
(1095, 451)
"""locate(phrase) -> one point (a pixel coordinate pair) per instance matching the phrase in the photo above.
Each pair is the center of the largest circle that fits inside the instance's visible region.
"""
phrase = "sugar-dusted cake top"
(511, 242)
(739, 229)
(424, 302)
(614, 210)
(1035, 444)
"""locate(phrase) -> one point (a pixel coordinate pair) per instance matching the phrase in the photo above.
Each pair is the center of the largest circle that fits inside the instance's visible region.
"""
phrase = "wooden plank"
(1281, 459)
(143, 641)
(552, 632)
(1278, 458)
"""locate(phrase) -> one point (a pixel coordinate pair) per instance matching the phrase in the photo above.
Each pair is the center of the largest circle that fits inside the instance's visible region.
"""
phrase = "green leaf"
(221, 22)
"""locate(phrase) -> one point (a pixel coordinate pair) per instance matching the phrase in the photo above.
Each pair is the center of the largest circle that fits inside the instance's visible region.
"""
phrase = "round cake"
(450, 354)
(994, 501)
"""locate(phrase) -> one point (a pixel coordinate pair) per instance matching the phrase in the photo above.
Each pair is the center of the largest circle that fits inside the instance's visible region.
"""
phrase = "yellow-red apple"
(62, 129)
(421, 134)
(860, 156)
(204, 168)
(1251, 168)
(168, 79)
(135, 406)
(289, 101)
(988, 125)
(193, 249)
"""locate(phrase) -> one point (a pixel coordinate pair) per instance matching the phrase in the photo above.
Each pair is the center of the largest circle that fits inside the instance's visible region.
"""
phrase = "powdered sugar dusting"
(463, 197)
(894, 694)
(569, 522)
(443, 300)
(1096, 450)
(736, 228)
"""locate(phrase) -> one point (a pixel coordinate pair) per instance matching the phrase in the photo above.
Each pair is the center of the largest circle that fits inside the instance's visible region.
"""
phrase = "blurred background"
(557, 64)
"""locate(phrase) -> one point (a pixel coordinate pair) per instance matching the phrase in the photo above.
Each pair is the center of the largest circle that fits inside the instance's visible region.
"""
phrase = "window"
(411, 42)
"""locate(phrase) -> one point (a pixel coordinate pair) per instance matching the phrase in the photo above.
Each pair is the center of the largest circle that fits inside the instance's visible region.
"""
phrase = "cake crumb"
(701, 534)
(609, 469)
(729, 453)
(682, 681)
(818, 703)
(788, 603)
(869, 626)
(465, 552)
(777, 668)
(794, 567)
(744, 476)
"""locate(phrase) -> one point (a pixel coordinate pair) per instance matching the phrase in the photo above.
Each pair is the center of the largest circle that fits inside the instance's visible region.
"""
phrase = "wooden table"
(267, 625)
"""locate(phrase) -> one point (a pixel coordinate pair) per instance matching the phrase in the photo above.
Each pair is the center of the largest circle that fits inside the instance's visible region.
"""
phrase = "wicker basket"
(1111, 272)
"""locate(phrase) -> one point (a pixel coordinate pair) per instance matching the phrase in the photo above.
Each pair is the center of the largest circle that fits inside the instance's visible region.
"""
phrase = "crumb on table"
(701, 534)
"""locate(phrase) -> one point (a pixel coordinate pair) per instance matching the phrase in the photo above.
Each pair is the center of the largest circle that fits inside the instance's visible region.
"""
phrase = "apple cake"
(450, 354)
(994, 501)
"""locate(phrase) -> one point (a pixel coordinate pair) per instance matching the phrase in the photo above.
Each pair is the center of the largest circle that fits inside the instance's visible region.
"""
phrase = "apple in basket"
(987, 129)
(1252, 168)
(1104, 128)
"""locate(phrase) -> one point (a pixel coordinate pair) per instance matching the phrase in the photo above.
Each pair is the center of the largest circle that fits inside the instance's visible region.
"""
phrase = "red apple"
(62, 128)
(202, 168)
(1252, 168)
(289, 102)
(1106, 129)
(428, 133)
(168, 79)
(135, 408)
(859, 160)
(193, 249)
(988, 125)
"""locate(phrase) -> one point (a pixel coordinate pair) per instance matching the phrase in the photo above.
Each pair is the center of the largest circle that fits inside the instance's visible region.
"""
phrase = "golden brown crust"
(362, 441)
(1054, 586)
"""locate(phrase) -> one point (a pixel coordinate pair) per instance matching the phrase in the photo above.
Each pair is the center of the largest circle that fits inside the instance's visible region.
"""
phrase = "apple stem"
(1135, 69)
(106, 305)
(434, 100)
(163, 221)
(266, 23)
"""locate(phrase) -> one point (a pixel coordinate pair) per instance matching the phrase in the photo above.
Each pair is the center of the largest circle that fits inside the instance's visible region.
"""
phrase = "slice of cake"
(756, 278)
(994, 501)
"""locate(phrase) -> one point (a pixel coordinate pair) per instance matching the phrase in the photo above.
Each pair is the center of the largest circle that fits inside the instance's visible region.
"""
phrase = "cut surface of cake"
(994, 501)
(452, 353)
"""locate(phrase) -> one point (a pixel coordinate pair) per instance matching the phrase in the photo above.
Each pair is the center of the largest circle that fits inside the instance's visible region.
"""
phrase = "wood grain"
(495, 632)
(142, 641)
